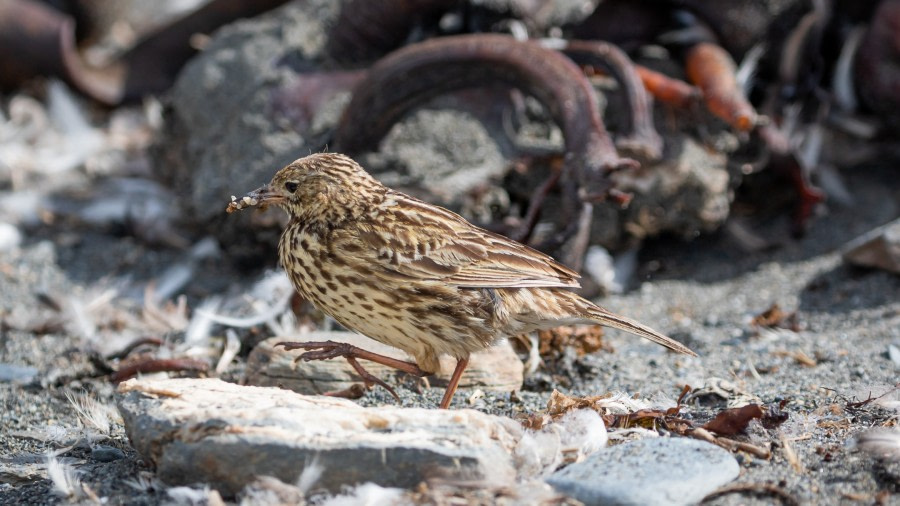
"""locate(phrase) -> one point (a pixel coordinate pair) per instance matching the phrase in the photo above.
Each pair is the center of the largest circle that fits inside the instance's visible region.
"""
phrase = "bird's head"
(323, 186)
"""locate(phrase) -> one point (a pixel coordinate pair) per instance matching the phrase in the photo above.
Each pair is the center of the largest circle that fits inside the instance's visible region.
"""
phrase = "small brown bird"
(413, 275)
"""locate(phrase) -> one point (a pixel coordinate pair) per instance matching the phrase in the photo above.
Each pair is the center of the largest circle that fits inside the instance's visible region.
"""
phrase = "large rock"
(496, 368)
(671, 471)
(226, 435)
(225, 131)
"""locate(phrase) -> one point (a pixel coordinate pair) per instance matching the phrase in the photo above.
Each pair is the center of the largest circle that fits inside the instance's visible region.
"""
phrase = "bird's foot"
(324, 350)
(319, 350)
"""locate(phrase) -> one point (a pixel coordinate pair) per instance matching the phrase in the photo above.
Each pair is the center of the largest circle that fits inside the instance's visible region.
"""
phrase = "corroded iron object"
(643, 139)
(414, 74)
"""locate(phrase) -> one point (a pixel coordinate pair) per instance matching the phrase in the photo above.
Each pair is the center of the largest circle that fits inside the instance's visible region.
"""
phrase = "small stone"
(878, 248)
(10, 237)
(12, 373)
(496, 368)
(670, 471)
(894, 354)
(105, 453)
(226, 435)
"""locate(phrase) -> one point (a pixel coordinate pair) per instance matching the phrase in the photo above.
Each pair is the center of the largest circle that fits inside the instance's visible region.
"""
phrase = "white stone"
(671, 471)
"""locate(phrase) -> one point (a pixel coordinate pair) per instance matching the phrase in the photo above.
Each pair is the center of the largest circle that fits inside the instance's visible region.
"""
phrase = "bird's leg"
(454, 382)
(368, 379)
(323, 350)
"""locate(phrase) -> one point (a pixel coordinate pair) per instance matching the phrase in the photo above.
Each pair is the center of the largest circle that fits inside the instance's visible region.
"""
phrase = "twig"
(158, 365)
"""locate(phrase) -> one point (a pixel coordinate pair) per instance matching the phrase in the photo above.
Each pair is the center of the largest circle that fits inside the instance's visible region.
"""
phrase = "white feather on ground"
(880, 443)
(93, 415)
(572, 437)
(65, 478)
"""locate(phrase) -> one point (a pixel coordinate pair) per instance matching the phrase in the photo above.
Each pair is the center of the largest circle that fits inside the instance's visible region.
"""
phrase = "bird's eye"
(290, 186)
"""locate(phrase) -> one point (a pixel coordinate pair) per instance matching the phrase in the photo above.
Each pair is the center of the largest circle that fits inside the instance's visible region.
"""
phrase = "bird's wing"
(418, 241)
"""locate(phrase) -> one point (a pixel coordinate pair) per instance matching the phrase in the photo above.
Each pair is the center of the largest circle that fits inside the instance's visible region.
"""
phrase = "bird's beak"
(261, 197)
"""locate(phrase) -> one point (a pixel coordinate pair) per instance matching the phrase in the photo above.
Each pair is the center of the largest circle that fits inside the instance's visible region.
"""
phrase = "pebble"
(671, 471)
(10, 237)
(106, 453)
(878, 248)
(13, 373)
(894, 354)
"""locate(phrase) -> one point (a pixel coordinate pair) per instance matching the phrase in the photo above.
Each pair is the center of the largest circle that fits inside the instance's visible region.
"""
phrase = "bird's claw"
(324, 350)
(318, 350)
(368, 379)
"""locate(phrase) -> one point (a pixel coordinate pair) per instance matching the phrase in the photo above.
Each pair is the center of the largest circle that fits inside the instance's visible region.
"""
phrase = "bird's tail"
(597, 314)
(604, 317)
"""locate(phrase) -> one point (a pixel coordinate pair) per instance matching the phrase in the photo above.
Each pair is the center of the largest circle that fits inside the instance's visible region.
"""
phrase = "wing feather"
(423, 242)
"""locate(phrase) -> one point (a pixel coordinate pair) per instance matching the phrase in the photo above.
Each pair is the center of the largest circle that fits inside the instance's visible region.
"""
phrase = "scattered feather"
(272, 286)
(269, 297)
(144, 482)
(746, 72)
(84, 326)
(65, 478)
(77, 139)
(10, 237)
(267, 490)
(830, 180)
(199, 329)
(229, 351)
(287, 325)
(265, 316)
(598, 263)
(625, 266)
(91, 413)
(173, 279)
(310, 475)
(204, 248)
(842, 84)
(811, 148)
(568, 438)
(205, 496)
(170, 317)
(99, 316)
(582, 431)
(632, 433)
(369, 494)
(880, 443)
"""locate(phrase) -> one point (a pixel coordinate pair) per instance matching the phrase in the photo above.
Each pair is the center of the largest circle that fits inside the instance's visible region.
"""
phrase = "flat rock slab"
(226, 435)
(672, 471)
(496, 368)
